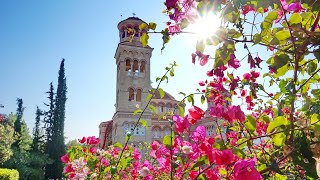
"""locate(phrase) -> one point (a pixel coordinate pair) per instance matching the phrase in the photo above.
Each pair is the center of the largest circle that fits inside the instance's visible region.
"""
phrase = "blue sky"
(36, 35)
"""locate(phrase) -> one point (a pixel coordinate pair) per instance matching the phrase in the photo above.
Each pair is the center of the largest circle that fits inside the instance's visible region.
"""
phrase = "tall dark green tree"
(55, 169)
(37, 142)
(18, 121)
(48, 125)
(48, 118)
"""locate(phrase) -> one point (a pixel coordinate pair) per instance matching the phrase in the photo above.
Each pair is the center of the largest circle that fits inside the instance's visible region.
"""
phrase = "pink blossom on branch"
(245, 169)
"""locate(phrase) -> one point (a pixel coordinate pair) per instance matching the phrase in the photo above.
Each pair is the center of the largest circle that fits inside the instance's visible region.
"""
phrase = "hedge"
(9, 174)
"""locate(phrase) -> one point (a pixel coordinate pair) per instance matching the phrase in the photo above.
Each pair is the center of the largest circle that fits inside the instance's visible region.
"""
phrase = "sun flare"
(205, 26)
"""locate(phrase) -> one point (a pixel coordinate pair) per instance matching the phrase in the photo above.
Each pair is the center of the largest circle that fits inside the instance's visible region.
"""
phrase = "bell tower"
(133, 79)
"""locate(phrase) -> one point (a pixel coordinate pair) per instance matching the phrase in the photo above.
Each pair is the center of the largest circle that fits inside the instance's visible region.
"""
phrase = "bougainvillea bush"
(262, 88)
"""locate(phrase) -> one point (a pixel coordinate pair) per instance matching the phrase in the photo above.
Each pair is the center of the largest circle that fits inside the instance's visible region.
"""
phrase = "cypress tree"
(37, 142)
(48, 123)
(18, 121)
(57, 147)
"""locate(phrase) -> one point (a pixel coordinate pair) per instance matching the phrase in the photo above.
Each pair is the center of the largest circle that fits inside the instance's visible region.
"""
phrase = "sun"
(205, 26)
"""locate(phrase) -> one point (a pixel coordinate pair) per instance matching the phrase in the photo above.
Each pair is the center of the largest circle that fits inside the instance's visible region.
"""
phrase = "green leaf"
(281, 71)
(268, 21)
(279, 139)
(137, 111)
(143, 26)
(278, 121)
(203, 98)
(257, 38)
(144, 123)
(161, 92)
(191, 99)
(153, 109)
(152, 25)
(171, 73)
(315, 118)
(144, 39)
(241, 141)
(184, 23)
(149, 97)
(312, 66)
(200, 46)
(202, 160)
(281, 177)
(238, 152)
(295, 19)
(181, 111)
(234, 33)
(250, 123)
(167, 141)
(223, 171)
(282, 36)
(118, 144)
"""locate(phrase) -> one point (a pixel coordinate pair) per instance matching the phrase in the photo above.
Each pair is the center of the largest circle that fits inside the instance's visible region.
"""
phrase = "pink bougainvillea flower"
(212, 175)
(243, 92)
(224, 157)
(217, 111)
(255, 74)
(136, 154)
(174, 29)
(92, 149)
(235, 113)
(65, 158)
(245, 169)
(105, 162)
(171, 3)
(246, 9)
(219, 71)
(181, 123)
(155, 145)
(92, 140)
(247, 76)
(202, 83)
(204, 60)
(193, 56)
(199, 134)
(83, 140)
(234, 83)
(210, 73)
(233, 62)
(68, 169)
(196, 112)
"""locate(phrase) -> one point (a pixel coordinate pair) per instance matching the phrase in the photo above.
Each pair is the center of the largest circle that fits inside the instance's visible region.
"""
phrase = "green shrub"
(9, 174)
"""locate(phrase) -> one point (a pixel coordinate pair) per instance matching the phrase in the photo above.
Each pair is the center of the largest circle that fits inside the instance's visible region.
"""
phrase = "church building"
(132, 88)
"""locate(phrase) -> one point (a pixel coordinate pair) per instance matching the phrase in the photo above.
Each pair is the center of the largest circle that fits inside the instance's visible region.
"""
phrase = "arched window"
(142, 66)
(136, 31)
(167, 131)
(128, 64)
(126, 128)
(138, 96)
(161, 107)
(210, 130)
(131, 94)
(123, 34)
(135, 66)
(156, 132)
(169, 106)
